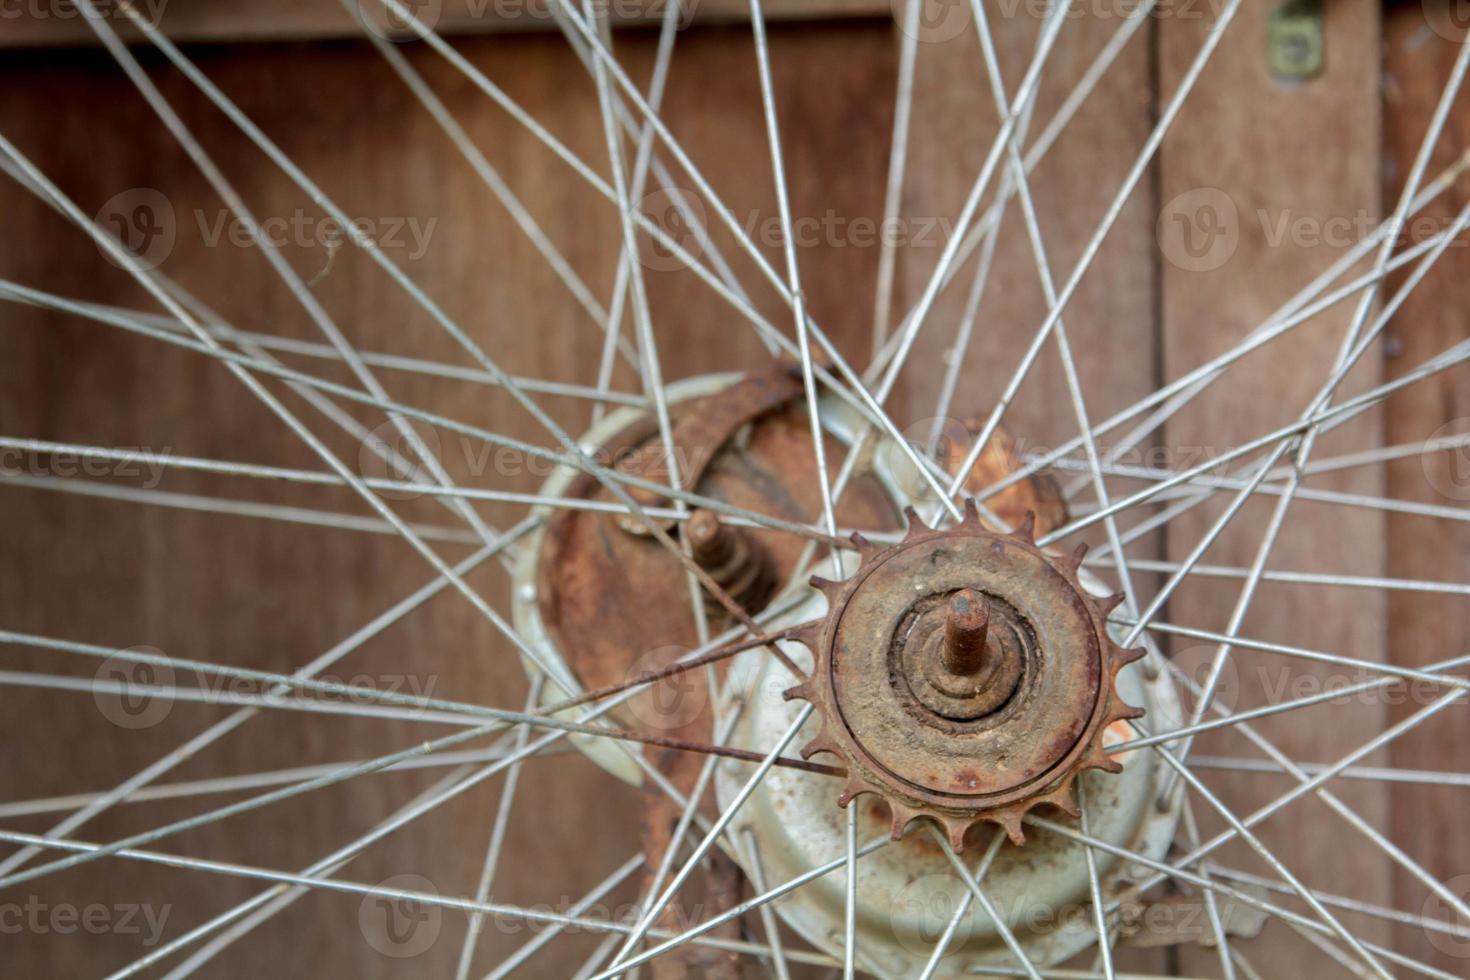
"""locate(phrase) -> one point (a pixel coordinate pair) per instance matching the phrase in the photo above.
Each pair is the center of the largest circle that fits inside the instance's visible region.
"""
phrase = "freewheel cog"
(965, 676)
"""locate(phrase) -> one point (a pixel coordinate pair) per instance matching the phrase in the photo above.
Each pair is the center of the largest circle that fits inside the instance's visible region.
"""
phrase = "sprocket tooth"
(1026, 530)
(825, 585)
(1123, 711)
(819, 744)
(862, 544)
(1078, 554)
(954, 828)
(797, 691)
(1099, 759)
(808, 635)
(916, 525)
(1008, 818)
(901, 817)
(972, 513)
(1108, 603)
(1123, 656)
(856, 786)
(1064, 796)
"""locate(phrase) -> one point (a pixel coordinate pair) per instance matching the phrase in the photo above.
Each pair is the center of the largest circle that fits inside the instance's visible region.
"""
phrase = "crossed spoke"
(640, 147)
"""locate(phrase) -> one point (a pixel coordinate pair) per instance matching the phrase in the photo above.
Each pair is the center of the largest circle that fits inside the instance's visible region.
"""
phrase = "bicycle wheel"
(975, 489)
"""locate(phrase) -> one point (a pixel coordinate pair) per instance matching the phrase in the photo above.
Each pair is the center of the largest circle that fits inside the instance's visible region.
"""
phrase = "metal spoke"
(1238, 718)
(1392, 851)
(647, 916)
(962, 907)
(497, 840)
(1327, 417)
(972, 883)
(627, 265)
(247, 907)
(295, 285)
(579, 462)
(686, 817)
(1183, 389)
(1273, 861)
(1429, 675)
(249, 915)
(1164, 871)
(490, 177)
(438, 315)
(1290, 310)
(385, 761)
(1379, 582)
(594, 896)
(898, 147)
(532, 914)
(1347, 904)
(1110, 217)
(184, 789)
(253, 341)
(768, 919)
(131, 264)
(1422, 777)
(228, 724)
(95, 686)
(649, 367)
(1048, 287)
(1367, 501)
(234, 508)
(1345, 358)
(1100, 920)
(743, 908)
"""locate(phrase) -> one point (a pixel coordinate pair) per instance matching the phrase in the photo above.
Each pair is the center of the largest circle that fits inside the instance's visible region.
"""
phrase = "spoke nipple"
(965, 628)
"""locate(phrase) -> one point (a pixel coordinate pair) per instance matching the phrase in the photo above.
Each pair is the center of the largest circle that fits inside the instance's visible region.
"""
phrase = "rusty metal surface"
(699, 434)
(1038, 494)
(715, 891)
(617, 603)
(985, 745)
(736, 561)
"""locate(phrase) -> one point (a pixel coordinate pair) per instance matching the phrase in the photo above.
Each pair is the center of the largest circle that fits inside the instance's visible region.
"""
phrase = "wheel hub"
(961, 675)
(964, 676)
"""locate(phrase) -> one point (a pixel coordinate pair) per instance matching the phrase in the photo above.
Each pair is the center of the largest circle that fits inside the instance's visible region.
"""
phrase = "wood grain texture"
(1288, 166)
(50, 23)
(1111, 321)
(272, 595)
(1248, 158)
(1426, 820)
(1110, 325)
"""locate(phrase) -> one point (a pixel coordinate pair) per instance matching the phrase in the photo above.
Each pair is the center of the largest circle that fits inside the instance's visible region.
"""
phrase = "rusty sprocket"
(965, 676)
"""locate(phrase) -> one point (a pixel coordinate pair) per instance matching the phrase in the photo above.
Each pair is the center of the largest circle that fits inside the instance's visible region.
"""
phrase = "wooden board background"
(1253, 147)
(251, 592)
(1417, 63)
(56, 22)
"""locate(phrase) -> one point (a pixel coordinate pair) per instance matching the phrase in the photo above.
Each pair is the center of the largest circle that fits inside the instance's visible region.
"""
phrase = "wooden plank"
(1426, 820)
(1110, 322)
(51, 23)
(1110, 326)
(272, 596)
(1249, 157)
